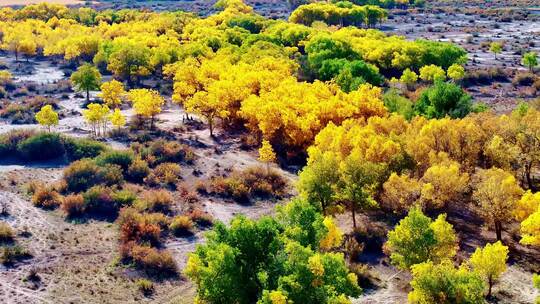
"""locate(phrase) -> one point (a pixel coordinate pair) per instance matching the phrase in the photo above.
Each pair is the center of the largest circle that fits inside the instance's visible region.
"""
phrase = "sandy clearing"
(27, 2)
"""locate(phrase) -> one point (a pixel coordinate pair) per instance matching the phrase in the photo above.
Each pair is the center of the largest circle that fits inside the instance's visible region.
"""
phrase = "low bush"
(115, 157)
(10, 140)
(201, 218)
(153, 261)
(73, 205)
(12, 254)
(42, 146)
(155, 201)
(523, 79)
(181, 225)
(138, 171)
(145, 286)
(85, 173)
(164, 174)
(253, 182)
(98, 199)
(78, 148)
(163, 151)
(81, 175)
(6, 233)
(46, 198)
(139, 228)
(124, 198)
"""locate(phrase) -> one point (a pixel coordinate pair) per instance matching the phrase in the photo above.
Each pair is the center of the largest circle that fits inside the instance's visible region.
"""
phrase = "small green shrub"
(79, 148)
(181, 225)
(81, 175)
(145, 286)
(137, 171)
(98, 199)
(124, 198)
(155, 201)
(12, 254)
(115, 157)
(46, 198)
(10, 140)
(42, 146)
(111, 175)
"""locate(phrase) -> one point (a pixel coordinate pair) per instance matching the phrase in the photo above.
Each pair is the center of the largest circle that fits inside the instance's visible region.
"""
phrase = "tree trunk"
(211, 126)
(529, 177)
(490, 285)
(353, 215)
(498, 230)
(87, 95)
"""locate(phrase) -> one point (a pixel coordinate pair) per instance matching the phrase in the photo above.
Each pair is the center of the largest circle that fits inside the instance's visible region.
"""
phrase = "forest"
(171, 157)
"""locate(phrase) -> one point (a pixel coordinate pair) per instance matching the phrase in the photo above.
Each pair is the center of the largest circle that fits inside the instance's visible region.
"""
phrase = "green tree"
(257, 261)
(490, 262)
(495, 48)
(445, 284)
(86, 78)
(317, 181)
(443, 99)
(530, 60)
(417, 239)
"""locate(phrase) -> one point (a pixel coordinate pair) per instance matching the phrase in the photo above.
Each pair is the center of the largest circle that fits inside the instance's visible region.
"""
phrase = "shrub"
(162, 151)
(138, 227)
(156, 201)
(98, 199)
(138, 170)
(181, 225)
(12, 254)
(523, 79)
(201, 218)
(114, 157)
(10, 140)
(73, 205)
(145, 286)
(78, 148)
(443, 99)
(46, 198)
(111, 175)
(6, 233)
(153, 261)
(165, 173)
(253, 182)
(42, 146)
(124, 198)
(81, 175)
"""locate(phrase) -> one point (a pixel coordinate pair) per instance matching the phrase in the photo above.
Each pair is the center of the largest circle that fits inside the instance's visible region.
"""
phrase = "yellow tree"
(490, 262)
(443, 184)
(146, 103)
(117, 118)
(530, 229)
(47, 117)
(267, 154)
(112, 93)
(401, 192)
(497, 193)
(96, 115)
(432, 73)
(456, 72)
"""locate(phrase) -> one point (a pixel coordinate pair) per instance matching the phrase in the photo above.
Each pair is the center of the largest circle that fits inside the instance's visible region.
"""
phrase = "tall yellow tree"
(96, 115)
(497, 193)
(47, 117)
(266, 154)
(112, 93)
(490, 262)
(146, 103)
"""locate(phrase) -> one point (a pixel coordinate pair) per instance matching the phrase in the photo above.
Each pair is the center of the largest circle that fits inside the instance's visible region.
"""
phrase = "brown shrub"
(155, 201)
(73, 205)
(46, 198)
(154, 261)
(6, 233)
(137, 227)
(181, 225)
(200, 217)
